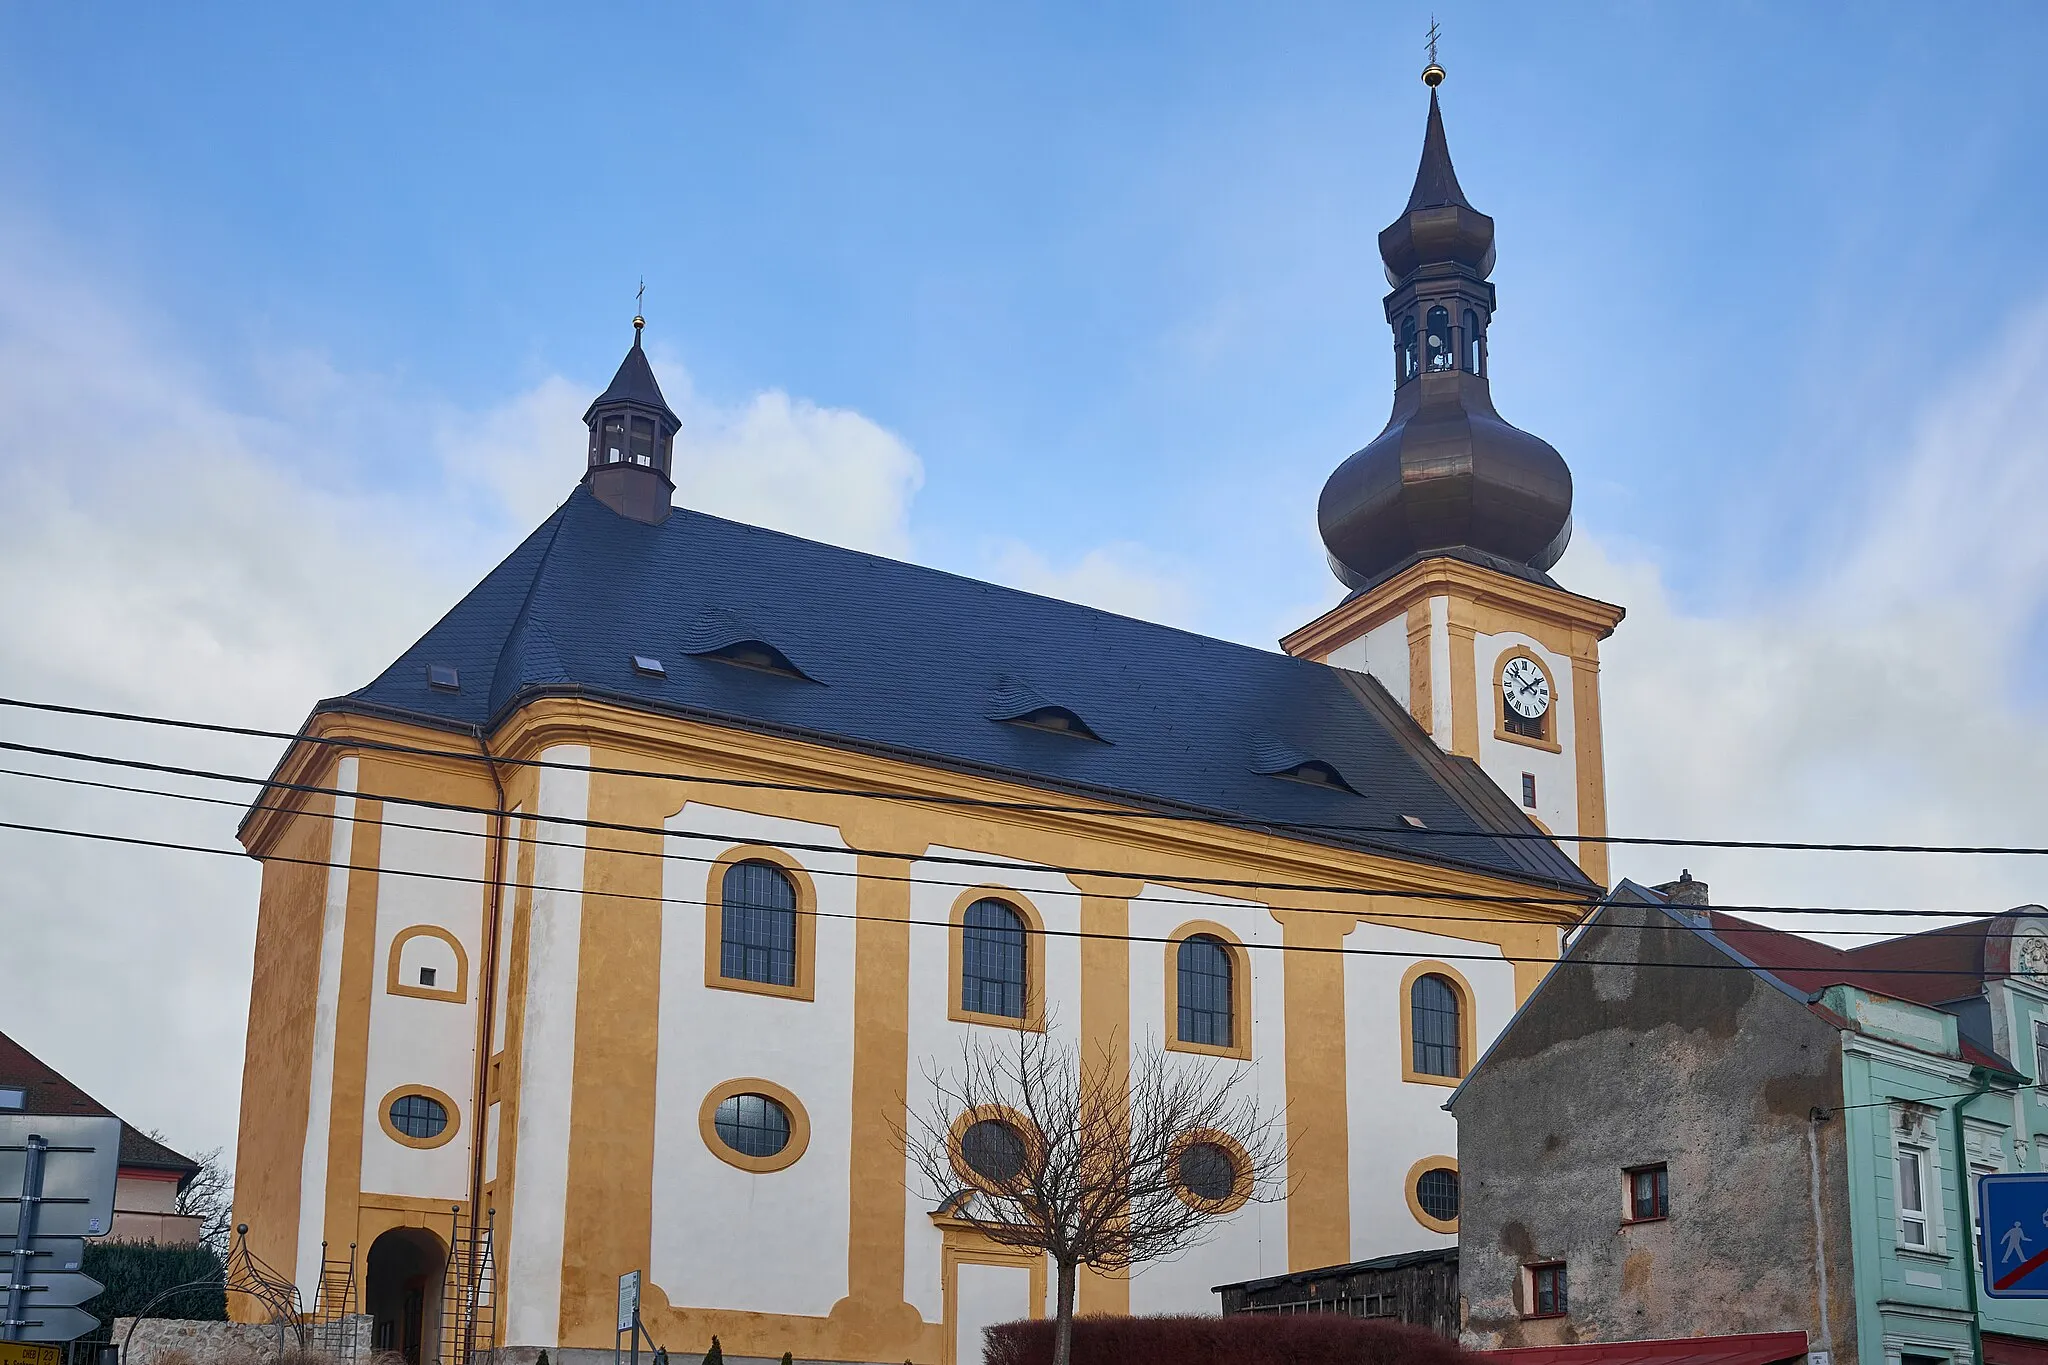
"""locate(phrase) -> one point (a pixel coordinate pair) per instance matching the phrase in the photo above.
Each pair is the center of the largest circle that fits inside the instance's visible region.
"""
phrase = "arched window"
(1204, 968)
(1471, 340)
(1433, 1004)
(1405, 357)
(758, 933)
(992, 960)
(1439, 339)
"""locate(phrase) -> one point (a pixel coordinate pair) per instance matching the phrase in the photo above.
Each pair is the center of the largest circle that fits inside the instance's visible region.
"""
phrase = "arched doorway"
(402, 1294)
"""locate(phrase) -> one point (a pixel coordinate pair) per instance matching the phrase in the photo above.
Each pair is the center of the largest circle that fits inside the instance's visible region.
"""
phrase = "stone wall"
(166, 1341)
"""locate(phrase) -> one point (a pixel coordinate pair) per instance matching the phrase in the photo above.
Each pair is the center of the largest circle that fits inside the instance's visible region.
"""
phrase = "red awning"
(1763, 1348)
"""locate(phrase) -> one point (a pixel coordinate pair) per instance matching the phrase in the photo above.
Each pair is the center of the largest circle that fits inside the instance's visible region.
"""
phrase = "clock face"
(1524, 687)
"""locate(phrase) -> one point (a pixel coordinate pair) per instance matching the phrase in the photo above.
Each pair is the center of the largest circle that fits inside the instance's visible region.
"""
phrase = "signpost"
(58, 1174)
(629, 1321)
(2012, 1211)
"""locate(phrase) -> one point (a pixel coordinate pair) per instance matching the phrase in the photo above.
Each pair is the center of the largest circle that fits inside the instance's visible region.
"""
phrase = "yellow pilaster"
(1318, 1120)
(1106, 1030)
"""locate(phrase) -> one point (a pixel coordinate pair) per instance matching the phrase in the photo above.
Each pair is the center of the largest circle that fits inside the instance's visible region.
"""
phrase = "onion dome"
(1448, 474)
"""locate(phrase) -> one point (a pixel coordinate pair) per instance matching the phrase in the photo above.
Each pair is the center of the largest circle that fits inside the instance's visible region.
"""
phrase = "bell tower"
(1444, 529)
(632, 434)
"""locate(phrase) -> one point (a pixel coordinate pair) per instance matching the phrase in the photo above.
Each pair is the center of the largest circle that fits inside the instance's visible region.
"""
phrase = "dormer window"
(1316, 774)
(1057, 720)
(755, 654)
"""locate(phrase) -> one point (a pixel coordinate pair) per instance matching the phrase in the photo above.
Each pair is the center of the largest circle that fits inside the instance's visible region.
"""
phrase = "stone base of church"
(678, 1355)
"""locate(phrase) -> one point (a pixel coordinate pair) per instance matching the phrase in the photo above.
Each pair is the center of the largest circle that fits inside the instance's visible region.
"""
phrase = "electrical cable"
(138, 841)
(1429, 917)
(1424, 917)
(922, 798)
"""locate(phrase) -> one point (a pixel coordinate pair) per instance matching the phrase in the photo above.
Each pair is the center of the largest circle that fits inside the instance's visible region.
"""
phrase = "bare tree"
(210, 1197)
(1039, 1148)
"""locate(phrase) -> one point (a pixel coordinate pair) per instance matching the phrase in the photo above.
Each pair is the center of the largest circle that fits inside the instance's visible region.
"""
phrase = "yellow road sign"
(29, 1353)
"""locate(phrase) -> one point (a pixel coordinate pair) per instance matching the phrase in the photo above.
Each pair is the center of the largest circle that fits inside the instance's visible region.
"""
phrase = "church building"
(614, 925)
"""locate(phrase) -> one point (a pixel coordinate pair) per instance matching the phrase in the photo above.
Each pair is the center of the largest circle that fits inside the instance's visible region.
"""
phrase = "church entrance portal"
(402, 1294)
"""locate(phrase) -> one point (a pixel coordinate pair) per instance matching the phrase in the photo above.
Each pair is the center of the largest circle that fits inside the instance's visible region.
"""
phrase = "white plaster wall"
(1440, 672)
(415, 1041)
(547, 1069)
(427, 952)
(1252, 1241)
(326, 1001)
(1557, 788)
(936, 1041)
(989, 1294)
(1382, 652)
(1395, 1123)
(723, 1237)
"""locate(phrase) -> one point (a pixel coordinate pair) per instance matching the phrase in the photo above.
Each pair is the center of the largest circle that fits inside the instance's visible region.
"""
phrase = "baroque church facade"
(623, 915)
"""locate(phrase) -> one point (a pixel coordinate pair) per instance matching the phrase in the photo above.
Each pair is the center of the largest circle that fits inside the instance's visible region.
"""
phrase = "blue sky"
(1112, 274)
(298, 310)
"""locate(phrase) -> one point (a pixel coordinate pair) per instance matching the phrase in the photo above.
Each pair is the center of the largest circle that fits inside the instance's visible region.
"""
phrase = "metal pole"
(636, 1334)
(1983, 1080)
(24, 1235)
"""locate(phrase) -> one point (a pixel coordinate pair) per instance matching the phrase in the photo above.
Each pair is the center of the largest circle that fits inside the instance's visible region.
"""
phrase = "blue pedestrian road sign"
(2012, 1213)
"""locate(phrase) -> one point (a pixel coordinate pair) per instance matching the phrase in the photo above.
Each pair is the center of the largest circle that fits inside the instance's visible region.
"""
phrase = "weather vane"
(1433, 74)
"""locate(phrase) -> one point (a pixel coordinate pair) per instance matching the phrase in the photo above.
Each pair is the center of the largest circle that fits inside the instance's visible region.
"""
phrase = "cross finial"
(1433, 74)
(639, 321)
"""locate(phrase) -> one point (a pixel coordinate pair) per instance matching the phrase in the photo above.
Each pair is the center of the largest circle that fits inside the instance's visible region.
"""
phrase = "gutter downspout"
(1983, 1081)
(486, 997)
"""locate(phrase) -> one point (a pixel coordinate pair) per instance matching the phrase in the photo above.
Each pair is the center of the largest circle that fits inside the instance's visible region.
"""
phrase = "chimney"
(1684, 891)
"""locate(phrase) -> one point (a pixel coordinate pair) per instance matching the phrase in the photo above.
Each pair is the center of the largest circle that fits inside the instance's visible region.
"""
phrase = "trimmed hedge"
(136, 1272)
(1241, 1339)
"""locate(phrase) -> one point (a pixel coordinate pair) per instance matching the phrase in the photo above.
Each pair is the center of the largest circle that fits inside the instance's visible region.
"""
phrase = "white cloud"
(163, 550)
(1874, 704)
(1124, 578)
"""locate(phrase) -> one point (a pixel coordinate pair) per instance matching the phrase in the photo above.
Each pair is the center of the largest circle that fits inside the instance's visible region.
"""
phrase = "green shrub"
(136, 1272)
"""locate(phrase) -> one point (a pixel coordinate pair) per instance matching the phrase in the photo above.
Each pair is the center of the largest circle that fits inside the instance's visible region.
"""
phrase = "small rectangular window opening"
(13, 1097)
(1547, 1296)
(1648, 1189)
(1912, 1197)
(652, 667)
(1529, 790)
(2041, 1050)
(443, 678)
(426, 976)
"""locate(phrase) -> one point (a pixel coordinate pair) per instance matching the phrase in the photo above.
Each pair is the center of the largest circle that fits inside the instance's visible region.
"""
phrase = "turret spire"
(632, 430)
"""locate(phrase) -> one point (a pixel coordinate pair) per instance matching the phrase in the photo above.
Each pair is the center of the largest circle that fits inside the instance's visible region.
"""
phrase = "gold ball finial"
(1432, 75)
(638, 322)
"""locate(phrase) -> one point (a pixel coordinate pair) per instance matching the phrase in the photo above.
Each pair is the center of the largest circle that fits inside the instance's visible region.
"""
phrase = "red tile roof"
(1763, 1348)
(49, 1092)
(1932, 967)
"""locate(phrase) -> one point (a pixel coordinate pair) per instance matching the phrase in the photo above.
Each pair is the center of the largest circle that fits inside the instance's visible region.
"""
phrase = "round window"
(752, 1125)
(993, 1150)
(419, 1116)
(1436, 1189)
(1208, 1172)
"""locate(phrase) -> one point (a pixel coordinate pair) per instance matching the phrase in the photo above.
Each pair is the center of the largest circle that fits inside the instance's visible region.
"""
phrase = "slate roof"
(51, 1093)
(913, 662)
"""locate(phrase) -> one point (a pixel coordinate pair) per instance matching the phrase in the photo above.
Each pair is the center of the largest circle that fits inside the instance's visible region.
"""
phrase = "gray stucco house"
(1698, 1125)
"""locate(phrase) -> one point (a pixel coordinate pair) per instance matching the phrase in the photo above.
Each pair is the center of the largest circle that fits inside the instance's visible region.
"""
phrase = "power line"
(137, 841)
(1122, 812)
(1575, 903)
(1421, 917)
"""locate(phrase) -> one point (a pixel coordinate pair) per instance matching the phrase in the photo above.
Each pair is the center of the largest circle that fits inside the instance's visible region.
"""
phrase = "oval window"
(419, 1116)
(1436, 1189)
(993, 1150)
(1208, 1172)
(752, 1125)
